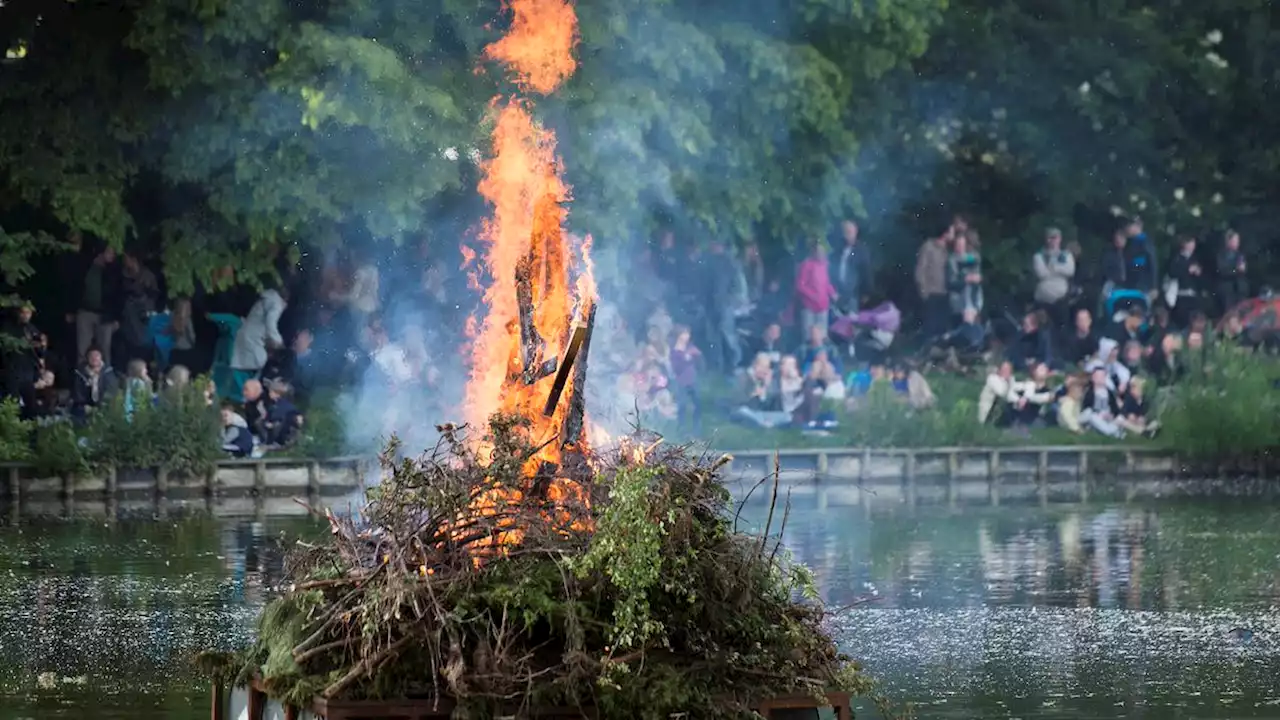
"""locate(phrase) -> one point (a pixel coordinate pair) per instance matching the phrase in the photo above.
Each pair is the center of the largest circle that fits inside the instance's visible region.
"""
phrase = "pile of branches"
(616, 580)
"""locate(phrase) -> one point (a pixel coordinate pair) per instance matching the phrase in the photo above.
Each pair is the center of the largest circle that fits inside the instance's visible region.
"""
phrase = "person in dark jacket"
(1185, 274)
(1032, 345)
(254, 408)
(282, 420)
(1231, 287)
(1115, 265)
(1140, 259)
(296, 366)
(96, 283)
(23, 363)
(850, 268)
(95, 383)
(1081, 341)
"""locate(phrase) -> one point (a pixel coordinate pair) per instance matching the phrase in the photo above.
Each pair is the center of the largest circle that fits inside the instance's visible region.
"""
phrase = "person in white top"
(259, 332)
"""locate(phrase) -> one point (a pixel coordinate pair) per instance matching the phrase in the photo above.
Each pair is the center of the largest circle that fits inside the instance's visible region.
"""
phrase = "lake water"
(1099, 611)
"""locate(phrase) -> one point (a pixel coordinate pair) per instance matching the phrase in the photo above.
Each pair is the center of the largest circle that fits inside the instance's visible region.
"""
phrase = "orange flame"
(522, 181)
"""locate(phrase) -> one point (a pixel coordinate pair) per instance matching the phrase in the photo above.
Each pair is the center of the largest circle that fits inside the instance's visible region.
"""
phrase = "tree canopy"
(223, 132)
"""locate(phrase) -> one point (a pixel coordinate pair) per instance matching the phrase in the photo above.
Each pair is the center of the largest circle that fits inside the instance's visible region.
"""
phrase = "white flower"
(1215, 60)
(1133, 197)
(1142, 205)
(473, 154)
(1097, 126)
(988, 159)
(1213, 37)
(450, 154)
(1179, 193)
(1195, 211)
(999, 113)
(1084, 88)
(1115, 210)
(1217, 198)
(1142, 172)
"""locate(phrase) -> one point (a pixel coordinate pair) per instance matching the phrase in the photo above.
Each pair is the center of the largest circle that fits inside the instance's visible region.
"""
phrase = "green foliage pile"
(1226, 406)
(636, 596)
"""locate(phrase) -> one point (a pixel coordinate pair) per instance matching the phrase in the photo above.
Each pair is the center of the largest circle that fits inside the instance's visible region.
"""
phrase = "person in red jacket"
(814, 290)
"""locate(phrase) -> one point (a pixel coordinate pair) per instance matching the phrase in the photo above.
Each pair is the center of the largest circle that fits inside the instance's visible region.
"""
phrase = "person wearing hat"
(1054, 268)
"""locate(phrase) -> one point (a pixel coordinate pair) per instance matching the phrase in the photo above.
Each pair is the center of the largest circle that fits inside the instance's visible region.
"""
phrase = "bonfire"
(514, 565)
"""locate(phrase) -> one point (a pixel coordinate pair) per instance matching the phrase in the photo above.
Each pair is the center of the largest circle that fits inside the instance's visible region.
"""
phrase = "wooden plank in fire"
(576, 419)
(531, 343)
(562, 375)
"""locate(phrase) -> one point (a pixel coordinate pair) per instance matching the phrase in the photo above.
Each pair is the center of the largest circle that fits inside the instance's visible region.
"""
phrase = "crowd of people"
(693, 332)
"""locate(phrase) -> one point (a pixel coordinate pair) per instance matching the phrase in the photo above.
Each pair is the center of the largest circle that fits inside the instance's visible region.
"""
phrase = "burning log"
(576, 419)
(532, 346)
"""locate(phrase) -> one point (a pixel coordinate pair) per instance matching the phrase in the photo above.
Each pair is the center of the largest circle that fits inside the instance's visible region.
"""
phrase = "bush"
(15, 433)
(58, 451)
(1225, 408)
(178, 433)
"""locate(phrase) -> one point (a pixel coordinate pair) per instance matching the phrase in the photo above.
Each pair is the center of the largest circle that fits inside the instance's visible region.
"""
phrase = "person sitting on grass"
(1100, 406)
(1081, 342)
(1033, 344)
(762, 403)
(824, 373)
(1069, 405)
(237, 440)
(1133, 410)
(1108, 360)
(1166, 364)
(996, 393)
(968, 337)
(790, 384)
(281, 423)
(1031, 398)
(817, 343)
(770, 342)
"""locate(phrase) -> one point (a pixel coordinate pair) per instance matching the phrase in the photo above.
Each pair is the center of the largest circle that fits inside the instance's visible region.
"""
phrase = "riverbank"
(279, 486)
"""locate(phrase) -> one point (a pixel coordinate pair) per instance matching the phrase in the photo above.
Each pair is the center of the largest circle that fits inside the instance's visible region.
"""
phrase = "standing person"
(1141, 270)
(814, 290)
(1232, 286)
(850, 268)
(97, 310)
(726, 288)
(684, 358)
(964, 274)
(259, 333)
(138, 288)
(22, 362)
(1054, 268)
(1115, 268)
(183, 331)
(931, 282)
(1182, 287)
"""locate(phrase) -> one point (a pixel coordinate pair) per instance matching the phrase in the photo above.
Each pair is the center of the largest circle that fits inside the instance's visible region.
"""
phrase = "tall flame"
(525, 237)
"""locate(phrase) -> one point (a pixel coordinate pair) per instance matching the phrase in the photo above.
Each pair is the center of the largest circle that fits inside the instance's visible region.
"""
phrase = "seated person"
(860, 382)
(1032, 345)
(1108, 360)
(1165, 364)
(94, 384)
(236, 437)
(1081, 342)
(282, 420)
(824, 374)
(762, 400)
(254, 407)
(997, 393)
(1129, 327)
(1100, 406)
(1133, 357)
(769, 343)
(1030, 398)
(294, 365)
(1069, 405)
(1133, 410)
(970, 336)
(815, 344)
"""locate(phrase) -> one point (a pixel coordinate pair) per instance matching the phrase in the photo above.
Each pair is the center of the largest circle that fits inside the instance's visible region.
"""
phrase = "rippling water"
(1145, 610)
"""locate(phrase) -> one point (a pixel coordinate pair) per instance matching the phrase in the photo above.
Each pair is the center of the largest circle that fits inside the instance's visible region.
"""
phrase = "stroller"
(868, 334)
(1122, 301)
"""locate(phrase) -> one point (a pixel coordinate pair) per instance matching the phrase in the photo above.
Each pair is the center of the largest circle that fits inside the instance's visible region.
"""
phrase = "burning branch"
(532, 345)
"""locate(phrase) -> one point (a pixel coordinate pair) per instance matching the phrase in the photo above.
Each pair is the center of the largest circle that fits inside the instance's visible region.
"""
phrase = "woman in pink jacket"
(815, 291)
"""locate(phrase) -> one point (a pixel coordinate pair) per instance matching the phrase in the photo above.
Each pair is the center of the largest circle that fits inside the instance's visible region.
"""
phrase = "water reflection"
(107, 616)
(1078, 611)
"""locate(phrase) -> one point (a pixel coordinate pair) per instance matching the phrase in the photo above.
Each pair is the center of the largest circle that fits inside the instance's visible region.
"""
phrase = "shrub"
(179, 433)
(58, 451)
(1226, 406)
(15, 433)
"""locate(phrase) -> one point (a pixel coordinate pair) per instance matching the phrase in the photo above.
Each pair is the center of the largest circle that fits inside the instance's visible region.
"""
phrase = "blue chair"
(1128, 297)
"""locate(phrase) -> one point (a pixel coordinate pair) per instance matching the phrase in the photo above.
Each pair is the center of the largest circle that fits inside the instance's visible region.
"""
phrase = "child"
(1069, 406)
(1133, 410)
(236, 438)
